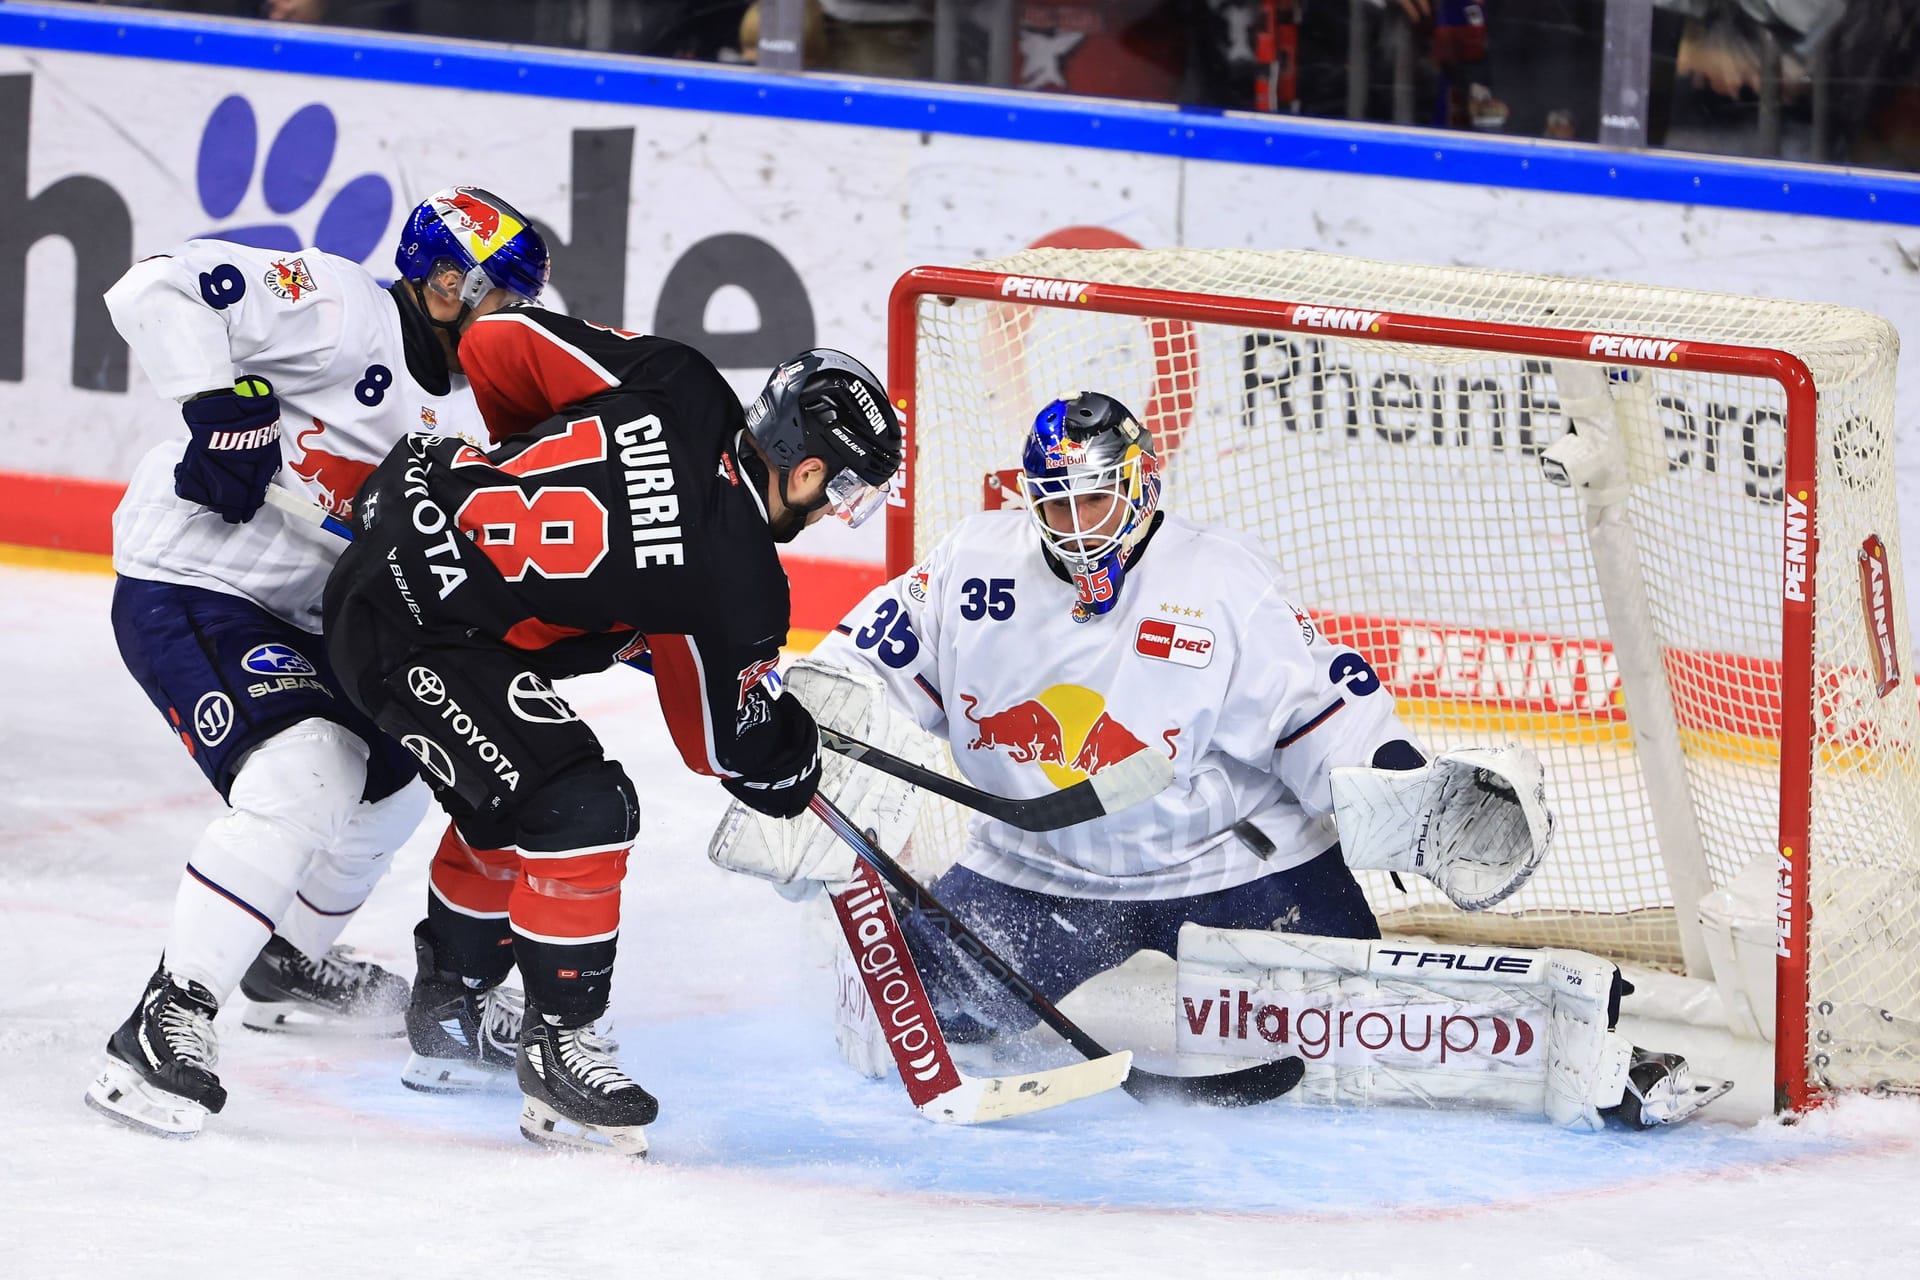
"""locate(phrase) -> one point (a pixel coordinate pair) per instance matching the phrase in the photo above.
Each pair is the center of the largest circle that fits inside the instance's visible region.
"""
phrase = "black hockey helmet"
(825, 404)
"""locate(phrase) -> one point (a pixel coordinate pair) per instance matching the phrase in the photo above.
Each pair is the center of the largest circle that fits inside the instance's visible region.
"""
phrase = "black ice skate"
(1662, 1089)
(159, 1076)
(463, 1038)
(575, 1095)
(333, 995)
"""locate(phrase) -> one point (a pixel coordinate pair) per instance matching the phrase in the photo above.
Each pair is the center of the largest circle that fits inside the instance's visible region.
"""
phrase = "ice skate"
(158, 1076)
(1662, 1090)
(336, 994)
(463, 1038)
(575, 1094)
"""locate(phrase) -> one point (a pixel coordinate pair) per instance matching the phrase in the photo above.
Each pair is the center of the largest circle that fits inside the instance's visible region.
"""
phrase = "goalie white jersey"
(1204, 659)
(335, 347)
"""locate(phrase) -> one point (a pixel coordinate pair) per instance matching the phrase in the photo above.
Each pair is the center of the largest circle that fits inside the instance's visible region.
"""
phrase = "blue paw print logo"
(352, 225)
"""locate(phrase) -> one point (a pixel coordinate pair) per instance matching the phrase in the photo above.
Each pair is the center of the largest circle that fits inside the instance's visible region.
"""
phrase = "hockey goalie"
(1047, 643)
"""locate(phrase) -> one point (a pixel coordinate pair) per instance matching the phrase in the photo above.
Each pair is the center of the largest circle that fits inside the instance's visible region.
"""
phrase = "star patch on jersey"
(1175, 642)
(290, 279)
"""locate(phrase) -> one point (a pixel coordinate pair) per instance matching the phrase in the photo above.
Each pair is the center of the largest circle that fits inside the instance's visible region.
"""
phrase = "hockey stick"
(937, 1088)
(308, 513)
(1241, 1088)
(1141, 776)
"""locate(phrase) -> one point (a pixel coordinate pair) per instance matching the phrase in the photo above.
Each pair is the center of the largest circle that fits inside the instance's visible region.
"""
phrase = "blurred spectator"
(1104, 48)
(1872, 65)
(1873, 61)
(703, 30)
(1545, 58)
(879, 37)
(813, 36)
(373, 15)
(1296, 56)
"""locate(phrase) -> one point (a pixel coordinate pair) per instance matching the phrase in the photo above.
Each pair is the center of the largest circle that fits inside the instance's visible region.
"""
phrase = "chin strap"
(791, 505)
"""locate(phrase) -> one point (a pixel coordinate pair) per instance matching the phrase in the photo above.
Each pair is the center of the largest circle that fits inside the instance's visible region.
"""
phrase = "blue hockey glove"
(234, 449)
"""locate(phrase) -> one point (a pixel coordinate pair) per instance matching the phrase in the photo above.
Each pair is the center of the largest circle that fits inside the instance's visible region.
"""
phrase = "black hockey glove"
(233, 451)
(783, 795)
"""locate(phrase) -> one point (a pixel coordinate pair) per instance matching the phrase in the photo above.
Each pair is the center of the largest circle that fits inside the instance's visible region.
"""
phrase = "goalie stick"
(1240, 1088)
(938, 1089)
(1141, 776)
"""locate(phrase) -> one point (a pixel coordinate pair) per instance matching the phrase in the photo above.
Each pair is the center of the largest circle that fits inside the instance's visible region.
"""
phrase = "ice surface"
(770, 1157)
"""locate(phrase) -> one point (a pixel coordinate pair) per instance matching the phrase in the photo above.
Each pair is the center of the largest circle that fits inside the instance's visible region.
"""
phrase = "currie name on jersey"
(655, 509)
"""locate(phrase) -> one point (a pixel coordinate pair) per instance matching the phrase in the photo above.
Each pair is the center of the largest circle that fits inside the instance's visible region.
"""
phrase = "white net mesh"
(1401, 488)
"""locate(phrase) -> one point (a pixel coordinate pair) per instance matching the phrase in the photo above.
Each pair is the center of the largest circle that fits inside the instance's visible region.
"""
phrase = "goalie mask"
(825, 404)
(1092, 484)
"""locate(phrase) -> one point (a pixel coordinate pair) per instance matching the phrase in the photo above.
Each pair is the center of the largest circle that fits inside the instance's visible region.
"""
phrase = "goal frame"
(1793, 1087)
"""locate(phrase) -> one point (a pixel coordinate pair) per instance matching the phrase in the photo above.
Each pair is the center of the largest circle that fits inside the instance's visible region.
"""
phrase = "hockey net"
(1701, 644)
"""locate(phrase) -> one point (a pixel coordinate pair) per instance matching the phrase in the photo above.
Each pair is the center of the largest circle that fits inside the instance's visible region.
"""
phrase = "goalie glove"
(800, 854)
(1475, 821)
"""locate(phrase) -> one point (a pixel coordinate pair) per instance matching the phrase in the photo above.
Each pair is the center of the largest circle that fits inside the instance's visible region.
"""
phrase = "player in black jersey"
(632, 513)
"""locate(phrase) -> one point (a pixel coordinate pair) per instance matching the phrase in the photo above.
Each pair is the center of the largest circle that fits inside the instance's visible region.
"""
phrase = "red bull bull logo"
(1065, 729)
(334, 477)
(290, 279)
(485, 227)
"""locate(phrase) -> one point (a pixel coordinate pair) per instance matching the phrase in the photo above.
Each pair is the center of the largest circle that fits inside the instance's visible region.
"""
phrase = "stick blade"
(1244, 1088)
(983, 1099)
(1141, 776)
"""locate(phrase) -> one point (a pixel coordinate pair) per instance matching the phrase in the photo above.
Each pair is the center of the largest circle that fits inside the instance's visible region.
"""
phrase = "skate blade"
(456, 1075)
(284, 1017)
(1684, 1106)
(542, 1125)
(121, 1095)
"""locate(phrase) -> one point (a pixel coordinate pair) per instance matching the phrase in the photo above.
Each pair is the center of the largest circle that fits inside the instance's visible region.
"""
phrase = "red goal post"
(974, 352)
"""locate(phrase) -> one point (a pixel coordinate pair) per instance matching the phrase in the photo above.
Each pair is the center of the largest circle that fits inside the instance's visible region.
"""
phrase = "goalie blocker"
(1399, 1021)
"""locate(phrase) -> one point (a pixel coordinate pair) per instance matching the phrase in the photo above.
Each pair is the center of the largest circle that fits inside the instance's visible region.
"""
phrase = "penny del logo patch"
(1176, 642)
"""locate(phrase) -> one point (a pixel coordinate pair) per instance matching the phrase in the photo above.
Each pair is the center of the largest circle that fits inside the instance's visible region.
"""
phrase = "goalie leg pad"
(1399, 1022)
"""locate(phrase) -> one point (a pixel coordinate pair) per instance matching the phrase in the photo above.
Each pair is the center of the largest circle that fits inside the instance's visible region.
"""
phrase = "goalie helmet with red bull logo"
(491, 243)
(1090, 446)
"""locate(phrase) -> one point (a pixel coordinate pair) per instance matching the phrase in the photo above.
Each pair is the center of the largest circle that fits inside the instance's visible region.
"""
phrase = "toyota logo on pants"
(534, 700)
(432, 757)
(427, 686)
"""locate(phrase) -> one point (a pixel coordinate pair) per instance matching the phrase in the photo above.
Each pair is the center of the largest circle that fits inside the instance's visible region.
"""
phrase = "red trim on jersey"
(522, 374)
(531, 633)
(571, 897)
(679, 680)
(1309, 726)
(476, 880)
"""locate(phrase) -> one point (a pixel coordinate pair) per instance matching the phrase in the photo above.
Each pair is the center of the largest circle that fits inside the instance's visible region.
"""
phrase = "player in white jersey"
(1047, 643)
(302, 371)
